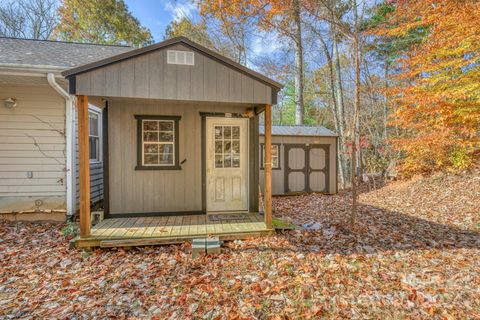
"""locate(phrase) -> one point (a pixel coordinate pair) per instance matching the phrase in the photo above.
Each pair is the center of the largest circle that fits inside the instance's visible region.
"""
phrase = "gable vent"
(180, 57)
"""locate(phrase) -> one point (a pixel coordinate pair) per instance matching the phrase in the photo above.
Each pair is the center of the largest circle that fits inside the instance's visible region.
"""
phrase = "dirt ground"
(414, 253)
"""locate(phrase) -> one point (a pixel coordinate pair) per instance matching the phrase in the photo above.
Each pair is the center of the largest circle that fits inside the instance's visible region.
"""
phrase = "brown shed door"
(306, 168)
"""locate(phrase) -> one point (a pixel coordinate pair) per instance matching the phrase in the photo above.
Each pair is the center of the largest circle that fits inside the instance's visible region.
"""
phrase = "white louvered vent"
(180, 57)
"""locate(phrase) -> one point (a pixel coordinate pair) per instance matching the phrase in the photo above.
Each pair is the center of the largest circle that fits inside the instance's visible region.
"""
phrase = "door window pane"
(236, 161)
(227, 132)
(235, 132)
(236, 147)
(218, 132)
(227, 146)
(218, 161)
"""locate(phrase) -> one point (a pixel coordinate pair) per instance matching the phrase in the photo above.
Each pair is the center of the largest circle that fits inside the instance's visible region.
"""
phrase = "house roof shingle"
(53, 54)
(286, 130)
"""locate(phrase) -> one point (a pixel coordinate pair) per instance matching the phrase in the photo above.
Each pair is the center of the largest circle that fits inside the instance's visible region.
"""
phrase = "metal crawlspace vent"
(180, 57)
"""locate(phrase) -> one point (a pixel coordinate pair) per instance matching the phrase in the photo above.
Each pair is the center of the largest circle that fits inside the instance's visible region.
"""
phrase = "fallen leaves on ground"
(415, 253)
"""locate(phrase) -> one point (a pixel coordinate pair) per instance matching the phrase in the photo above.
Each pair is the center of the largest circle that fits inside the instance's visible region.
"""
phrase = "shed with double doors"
(304, 159)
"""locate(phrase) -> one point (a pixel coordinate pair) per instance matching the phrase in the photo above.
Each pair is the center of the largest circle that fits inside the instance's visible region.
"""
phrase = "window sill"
(139, 168)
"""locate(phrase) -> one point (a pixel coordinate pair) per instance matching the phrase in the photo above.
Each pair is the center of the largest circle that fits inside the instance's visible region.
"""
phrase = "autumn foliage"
(106, 22)
(436, 91)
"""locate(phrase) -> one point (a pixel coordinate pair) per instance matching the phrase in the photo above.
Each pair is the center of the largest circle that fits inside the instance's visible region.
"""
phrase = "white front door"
(227, 164)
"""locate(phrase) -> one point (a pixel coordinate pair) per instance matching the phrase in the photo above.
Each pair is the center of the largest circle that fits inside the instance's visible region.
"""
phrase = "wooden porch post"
(268, 166)
(84, 166)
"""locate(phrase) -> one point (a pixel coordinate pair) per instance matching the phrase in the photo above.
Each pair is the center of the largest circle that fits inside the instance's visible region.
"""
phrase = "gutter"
(69, 137)
(32, 67)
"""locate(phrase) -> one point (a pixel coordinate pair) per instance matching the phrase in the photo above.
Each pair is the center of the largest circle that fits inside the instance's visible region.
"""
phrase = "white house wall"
(32, 151)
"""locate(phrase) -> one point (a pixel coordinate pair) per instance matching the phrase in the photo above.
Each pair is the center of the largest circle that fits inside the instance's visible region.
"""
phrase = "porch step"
(202, 246)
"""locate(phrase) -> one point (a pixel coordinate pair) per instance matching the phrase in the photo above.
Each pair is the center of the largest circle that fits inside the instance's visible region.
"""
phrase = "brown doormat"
(227, 216)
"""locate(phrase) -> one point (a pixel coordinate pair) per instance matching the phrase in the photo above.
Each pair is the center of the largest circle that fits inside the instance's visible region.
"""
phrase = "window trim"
(98, 112)
(262, 155)
(176, 151)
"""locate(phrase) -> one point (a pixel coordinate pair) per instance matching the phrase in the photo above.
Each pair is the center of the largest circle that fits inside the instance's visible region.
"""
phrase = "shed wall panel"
(144, 191)
(149, 76)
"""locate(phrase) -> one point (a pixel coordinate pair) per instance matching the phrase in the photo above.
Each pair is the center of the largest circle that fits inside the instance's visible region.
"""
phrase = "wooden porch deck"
(141, 231)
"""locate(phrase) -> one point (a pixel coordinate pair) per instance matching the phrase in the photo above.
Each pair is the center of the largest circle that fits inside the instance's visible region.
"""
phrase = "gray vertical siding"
(297, 179)
(149, 76)
(152, 191)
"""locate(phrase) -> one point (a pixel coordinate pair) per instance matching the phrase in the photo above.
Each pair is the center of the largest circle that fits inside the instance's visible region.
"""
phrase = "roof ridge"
(167, 43)
(68, 42)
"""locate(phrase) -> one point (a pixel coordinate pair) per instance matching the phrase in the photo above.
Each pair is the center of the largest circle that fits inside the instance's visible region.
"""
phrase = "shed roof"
(167, 43)
(290, 130)
(53, 54)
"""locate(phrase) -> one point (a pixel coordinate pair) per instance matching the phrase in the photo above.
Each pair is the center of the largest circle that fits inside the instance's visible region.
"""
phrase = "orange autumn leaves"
(436, 91)
(268, 14)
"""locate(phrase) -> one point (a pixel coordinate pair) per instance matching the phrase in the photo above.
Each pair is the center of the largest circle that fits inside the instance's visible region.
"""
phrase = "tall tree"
(299, 73)
(106, 21)
(349, 26)
(356, 109)
(31, 19)
(326, 23)
(284, 17)
(204, 35)
(194, 31)
(436, 92)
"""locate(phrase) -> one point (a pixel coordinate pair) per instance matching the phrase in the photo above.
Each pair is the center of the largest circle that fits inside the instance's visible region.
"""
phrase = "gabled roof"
(52, 54)
(286, 130)
(167, 43)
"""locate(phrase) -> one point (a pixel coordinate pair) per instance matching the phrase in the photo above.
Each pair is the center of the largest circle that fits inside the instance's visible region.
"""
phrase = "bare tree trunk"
(337, 76)
(338, 81)
(385, 106)
(355, 124)
(335, 112)
(299, 86)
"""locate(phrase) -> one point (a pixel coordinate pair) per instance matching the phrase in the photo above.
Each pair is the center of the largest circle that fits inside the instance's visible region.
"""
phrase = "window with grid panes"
(227, 146)
(158, 142)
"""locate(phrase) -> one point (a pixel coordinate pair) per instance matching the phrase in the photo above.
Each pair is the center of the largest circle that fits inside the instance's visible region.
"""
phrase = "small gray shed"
(304, 159)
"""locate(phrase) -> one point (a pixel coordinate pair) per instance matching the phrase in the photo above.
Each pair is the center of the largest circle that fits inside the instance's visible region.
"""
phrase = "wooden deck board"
(170, 229)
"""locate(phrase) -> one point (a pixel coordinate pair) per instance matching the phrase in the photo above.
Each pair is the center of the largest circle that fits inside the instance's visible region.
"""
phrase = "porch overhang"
(147, 74)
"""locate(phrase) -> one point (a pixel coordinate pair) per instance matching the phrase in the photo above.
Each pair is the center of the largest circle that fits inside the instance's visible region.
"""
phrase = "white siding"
(32, 139)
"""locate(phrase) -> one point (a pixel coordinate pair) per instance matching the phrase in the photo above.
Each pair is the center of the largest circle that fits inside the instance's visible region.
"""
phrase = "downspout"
(69, 136)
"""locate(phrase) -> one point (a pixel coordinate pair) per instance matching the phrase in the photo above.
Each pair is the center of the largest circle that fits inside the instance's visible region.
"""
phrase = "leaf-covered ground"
(415, 254)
